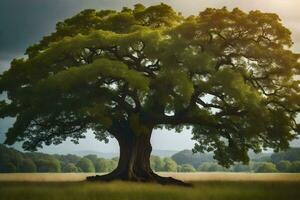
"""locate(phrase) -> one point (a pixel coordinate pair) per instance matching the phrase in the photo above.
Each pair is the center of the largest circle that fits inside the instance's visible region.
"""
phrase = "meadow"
(206, 186)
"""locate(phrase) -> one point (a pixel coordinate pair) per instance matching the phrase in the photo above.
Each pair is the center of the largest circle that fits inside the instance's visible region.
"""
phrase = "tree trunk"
(134, 161)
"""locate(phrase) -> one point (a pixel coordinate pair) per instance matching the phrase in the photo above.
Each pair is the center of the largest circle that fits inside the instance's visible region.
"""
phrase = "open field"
(194, 176)
(207, 186)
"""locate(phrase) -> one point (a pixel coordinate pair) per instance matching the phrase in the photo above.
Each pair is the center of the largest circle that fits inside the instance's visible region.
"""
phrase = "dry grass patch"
(197, 176)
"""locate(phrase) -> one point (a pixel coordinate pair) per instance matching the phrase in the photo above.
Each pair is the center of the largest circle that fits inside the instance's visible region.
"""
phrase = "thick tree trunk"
(134, 162)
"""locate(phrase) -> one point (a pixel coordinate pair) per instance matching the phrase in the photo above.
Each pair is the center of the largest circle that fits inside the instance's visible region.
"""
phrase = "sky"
(25, 22)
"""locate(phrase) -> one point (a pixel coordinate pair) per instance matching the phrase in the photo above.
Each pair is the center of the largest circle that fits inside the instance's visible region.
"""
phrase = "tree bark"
(134, 161)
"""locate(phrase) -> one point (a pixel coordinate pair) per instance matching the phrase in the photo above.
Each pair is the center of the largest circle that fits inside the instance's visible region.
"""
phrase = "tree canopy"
(86, 165)
(227, 74)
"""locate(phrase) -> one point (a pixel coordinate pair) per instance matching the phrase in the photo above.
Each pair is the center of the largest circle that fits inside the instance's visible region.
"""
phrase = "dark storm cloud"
(25, 22)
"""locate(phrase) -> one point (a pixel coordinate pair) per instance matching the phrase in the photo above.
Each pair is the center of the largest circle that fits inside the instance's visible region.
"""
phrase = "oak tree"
(227, 74)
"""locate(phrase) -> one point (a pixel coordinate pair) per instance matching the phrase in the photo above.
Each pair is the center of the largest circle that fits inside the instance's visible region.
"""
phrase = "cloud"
(25, 22)
(5, 124)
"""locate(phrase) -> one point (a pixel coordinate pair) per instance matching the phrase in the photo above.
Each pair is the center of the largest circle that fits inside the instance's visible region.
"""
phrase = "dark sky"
(25, 22)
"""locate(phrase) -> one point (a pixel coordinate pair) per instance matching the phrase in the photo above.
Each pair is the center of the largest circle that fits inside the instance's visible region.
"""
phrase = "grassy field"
(190, 177)
(209, 186)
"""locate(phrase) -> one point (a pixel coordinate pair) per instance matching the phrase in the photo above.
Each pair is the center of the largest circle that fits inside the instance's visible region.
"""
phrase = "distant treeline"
(288, 161)
(12, 161)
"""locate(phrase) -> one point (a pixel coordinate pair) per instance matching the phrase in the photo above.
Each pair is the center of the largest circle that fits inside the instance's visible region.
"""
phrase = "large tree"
(229, 75)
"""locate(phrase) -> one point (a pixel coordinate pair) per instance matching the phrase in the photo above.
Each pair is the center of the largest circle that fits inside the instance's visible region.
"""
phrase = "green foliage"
(241, 168)
(8, 167)
(40, 162)
(283, 166)
(112, 165)
(156, 16)
(105, 165)
(51, 165)
(86, 165)
(256, 165)
(74, 76)
(292, 154)
(187, 168)
(27, 165)
(70, 167)
(295, 167)
(157, 164)
(65, 159)
(44, 162)
(92, 157)
(210, 167)
(188, 157)
(267, 168)
(10, 159)
(170, 165)
(181, 161)
(116, 159)
(101, 165)
(228, 74)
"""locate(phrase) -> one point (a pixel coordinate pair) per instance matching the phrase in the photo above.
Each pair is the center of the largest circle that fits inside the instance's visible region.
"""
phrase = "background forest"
(12, 161)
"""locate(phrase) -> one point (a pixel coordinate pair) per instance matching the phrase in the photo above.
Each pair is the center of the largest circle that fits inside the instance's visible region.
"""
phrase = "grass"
(194, 176)
(224, 189)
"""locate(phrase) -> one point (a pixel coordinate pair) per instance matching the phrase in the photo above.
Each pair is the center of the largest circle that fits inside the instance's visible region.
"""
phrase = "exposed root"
(170, 181)
(154, 178)
(105, 178)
